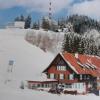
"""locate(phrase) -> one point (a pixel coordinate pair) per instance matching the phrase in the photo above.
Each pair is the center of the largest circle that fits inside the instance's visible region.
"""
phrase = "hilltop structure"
(16, 24)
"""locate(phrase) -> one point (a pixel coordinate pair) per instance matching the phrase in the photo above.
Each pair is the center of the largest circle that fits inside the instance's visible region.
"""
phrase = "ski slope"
(29, 61)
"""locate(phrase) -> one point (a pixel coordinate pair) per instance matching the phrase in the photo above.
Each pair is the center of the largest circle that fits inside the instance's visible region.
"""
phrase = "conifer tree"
(28, 22)
(17, 19)
(35, 25)
(22, 18)
(45, 24)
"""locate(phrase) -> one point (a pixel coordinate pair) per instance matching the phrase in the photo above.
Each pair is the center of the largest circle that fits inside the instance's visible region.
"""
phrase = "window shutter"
(48, 75)
(54, 76)
(64, 76)
(68, 77)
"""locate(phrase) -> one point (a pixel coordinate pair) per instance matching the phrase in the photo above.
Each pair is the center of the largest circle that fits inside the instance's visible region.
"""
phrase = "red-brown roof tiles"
(91, 64)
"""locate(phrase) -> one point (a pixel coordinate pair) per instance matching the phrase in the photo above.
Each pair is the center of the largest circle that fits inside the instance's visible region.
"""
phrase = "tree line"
(28, 22)
(80, 23)
(45, 23)
(78, 44)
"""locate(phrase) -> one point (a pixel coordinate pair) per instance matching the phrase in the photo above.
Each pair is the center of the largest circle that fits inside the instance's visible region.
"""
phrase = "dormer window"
(62, 68)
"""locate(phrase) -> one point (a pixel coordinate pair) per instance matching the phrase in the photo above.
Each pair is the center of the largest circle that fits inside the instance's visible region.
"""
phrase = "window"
(57, 67)
(98, 78)
(98, 84)
(42, 85)
(38, 85)
(80, 77)
(76, 85)
(88, 77)
(61, 76)
(52, 76)
(68, 86)
(79, 85)
(63, 68)
(71, 77)
(45, 85)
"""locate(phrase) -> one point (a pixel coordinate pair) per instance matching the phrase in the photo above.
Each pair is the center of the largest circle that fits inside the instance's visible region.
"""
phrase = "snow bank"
(39, 95)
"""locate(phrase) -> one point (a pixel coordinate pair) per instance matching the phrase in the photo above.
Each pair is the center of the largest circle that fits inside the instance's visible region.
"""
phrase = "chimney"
(76, 55)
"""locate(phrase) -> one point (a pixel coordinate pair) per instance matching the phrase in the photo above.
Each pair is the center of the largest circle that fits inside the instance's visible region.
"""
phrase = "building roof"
(81, 64)
(43, 81)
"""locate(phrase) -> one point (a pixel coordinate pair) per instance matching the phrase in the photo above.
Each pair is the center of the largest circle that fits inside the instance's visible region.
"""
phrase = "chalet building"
(75, 71)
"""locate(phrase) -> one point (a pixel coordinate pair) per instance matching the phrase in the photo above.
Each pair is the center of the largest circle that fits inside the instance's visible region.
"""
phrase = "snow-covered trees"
(81, 35)
(19, 18)
(49, 24)
(75, 43)
(46, 40)
(72, 43)
(80, 23)
(28, 22)
(36, 25)
(46, 23)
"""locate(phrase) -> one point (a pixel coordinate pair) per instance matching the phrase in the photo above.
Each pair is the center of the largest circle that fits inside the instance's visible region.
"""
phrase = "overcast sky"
(9, 9)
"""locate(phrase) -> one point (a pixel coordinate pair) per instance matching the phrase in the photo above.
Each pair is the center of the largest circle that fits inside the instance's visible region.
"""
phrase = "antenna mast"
(50, 9)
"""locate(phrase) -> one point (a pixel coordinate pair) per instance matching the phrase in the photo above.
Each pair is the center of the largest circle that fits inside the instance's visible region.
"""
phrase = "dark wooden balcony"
(68, 81)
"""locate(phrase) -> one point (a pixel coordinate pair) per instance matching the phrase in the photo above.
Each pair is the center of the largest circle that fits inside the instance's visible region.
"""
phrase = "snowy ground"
(29, 62)
(17, 94)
